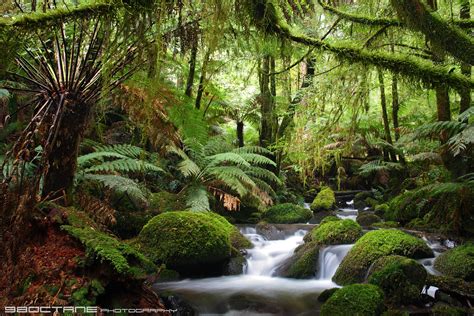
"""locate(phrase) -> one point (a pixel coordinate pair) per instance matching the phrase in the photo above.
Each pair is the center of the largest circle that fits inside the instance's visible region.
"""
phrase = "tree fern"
(377, 165)
(125, 165)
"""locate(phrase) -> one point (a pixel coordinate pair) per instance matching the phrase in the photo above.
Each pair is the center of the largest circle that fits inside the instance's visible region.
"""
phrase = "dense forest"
(238, 157)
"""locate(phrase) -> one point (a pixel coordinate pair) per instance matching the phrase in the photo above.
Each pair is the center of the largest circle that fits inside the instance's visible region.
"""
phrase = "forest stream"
(260, 290)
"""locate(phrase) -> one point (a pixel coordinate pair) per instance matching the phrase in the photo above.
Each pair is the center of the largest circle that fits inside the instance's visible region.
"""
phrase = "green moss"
(187, 239)
(401, 279)
(326, 294)
(387, 224)
(124, 258)
(446, 310)
(367, 219)
(324, 201)
(356, 299)
(165, 201)
(329, 218)
(374, 245)
(287, 213)
(87, 295)
(303, 264)
(457, 262)
(336, 232)
(381, 209)
(407, 206)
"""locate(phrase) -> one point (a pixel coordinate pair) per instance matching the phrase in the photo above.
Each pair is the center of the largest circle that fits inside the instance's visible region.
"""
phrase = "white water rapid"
(257, 292)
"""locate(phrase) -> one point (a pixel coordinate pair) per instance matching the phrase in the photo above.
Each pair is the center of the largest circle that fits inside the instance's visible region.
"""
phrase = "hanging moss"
(398, 63)
(448, 37)
(368, 20)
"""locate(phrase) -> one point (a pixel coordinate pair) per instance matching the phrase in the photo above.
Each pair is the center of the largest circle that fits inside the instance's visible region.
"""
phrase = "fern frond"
(120, 185)
(264, 174)
(467, 114)
(97, 155)
(433, 130)
(189, 168)
(123, 149)
(231, 172)
(197, 198)
(378, 165)
(258, 159)
(459, 142)
(252, 150)
(228, 157)
(125, 165)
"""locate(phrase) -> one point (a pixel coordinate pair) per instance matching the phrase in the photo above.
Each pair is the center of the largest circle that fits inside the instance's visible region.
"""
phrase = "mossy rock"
(441, 309)
(401, 279)
(367, 219)
(457, 262)
(303, 264)
(381, 209)
(287, 213)
(330, 218)
(324, 201)
(326, 294)
(187, 239)
(336, 232)
(372, 202)
(165, 202)
(406, 206)
(374, 245)
(356, 299)
(387, 224)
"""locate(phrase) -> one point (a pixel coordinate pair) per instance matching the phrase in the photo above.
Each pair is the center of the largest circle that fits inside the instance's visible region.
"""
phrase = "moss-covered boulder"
(324, 201)
(336, 232)
(287, 213)
(303, 264)
(374, 245)
(457, 262)
(367, 219)
(406, 206)
(356, 299)
(188, 240)
(381, 209)
(387, 224)
(401, 279)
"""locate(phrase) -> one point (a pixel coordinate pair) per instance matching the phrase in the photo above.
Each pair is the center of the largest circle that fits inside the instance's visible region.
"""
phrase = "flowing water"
(257, 291)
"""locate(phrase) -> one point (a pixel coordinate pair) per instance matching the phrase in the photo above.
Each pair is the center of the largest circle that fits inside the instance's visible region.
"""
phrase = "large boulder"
(336, 232)
(287, 213)
(356, 299)
(324, 201)
(190, 241)
(366, 219)
(457, 262)
(401, 279)
(303, 264)
(374, 245)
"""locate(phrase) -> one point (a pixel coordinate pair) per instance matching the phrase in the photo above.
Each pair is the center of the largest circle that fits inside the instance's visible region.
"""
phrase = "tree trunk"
(465, 93)
(386, 123)
(240, 133)
(395, 106)
(265, 104)
(192, 67)
(63, 156)
(202, 78)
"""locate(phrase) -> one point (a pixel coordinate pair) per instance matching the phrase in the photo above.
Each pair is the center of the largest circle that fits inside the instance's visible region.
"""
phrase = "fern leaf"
(189, 168)
(197, 198)
(98, 155)
(125, 165)
(230, 157)
(252, 150)
(258, 159)
(127, 150)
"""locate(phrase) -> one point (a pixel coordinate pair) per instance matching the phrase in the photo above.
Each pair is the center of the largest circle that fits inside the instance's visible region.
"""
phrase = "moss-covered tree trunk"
(266, 103)
(63, 156)
(192, 67)
(202, 78)
(386, 123)
(465, 67)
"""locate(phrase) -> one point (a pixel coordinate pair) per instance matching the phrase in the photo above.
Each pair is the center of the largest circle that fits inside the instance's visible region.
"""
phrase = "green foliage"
(187, 239)
(457, 262)
(87, 294)
(387, 224)
(324, 201)
(287, 213)
(374, 245)
(304, 262)
(367, 219)
(336, 232)
(356, 299)
(229, 174)
(401, 279)
(378, 165)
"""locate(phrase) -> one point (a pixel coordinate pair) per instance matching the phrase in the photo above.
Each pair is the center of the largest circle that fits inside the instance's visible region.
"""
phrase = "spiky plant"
(217, 169)
(67, 74)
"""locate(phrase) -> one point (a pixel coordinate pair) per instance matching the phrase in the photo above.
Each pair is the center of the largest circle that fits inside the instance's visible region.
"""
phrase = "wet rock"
(326, 294)
(367, 219)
